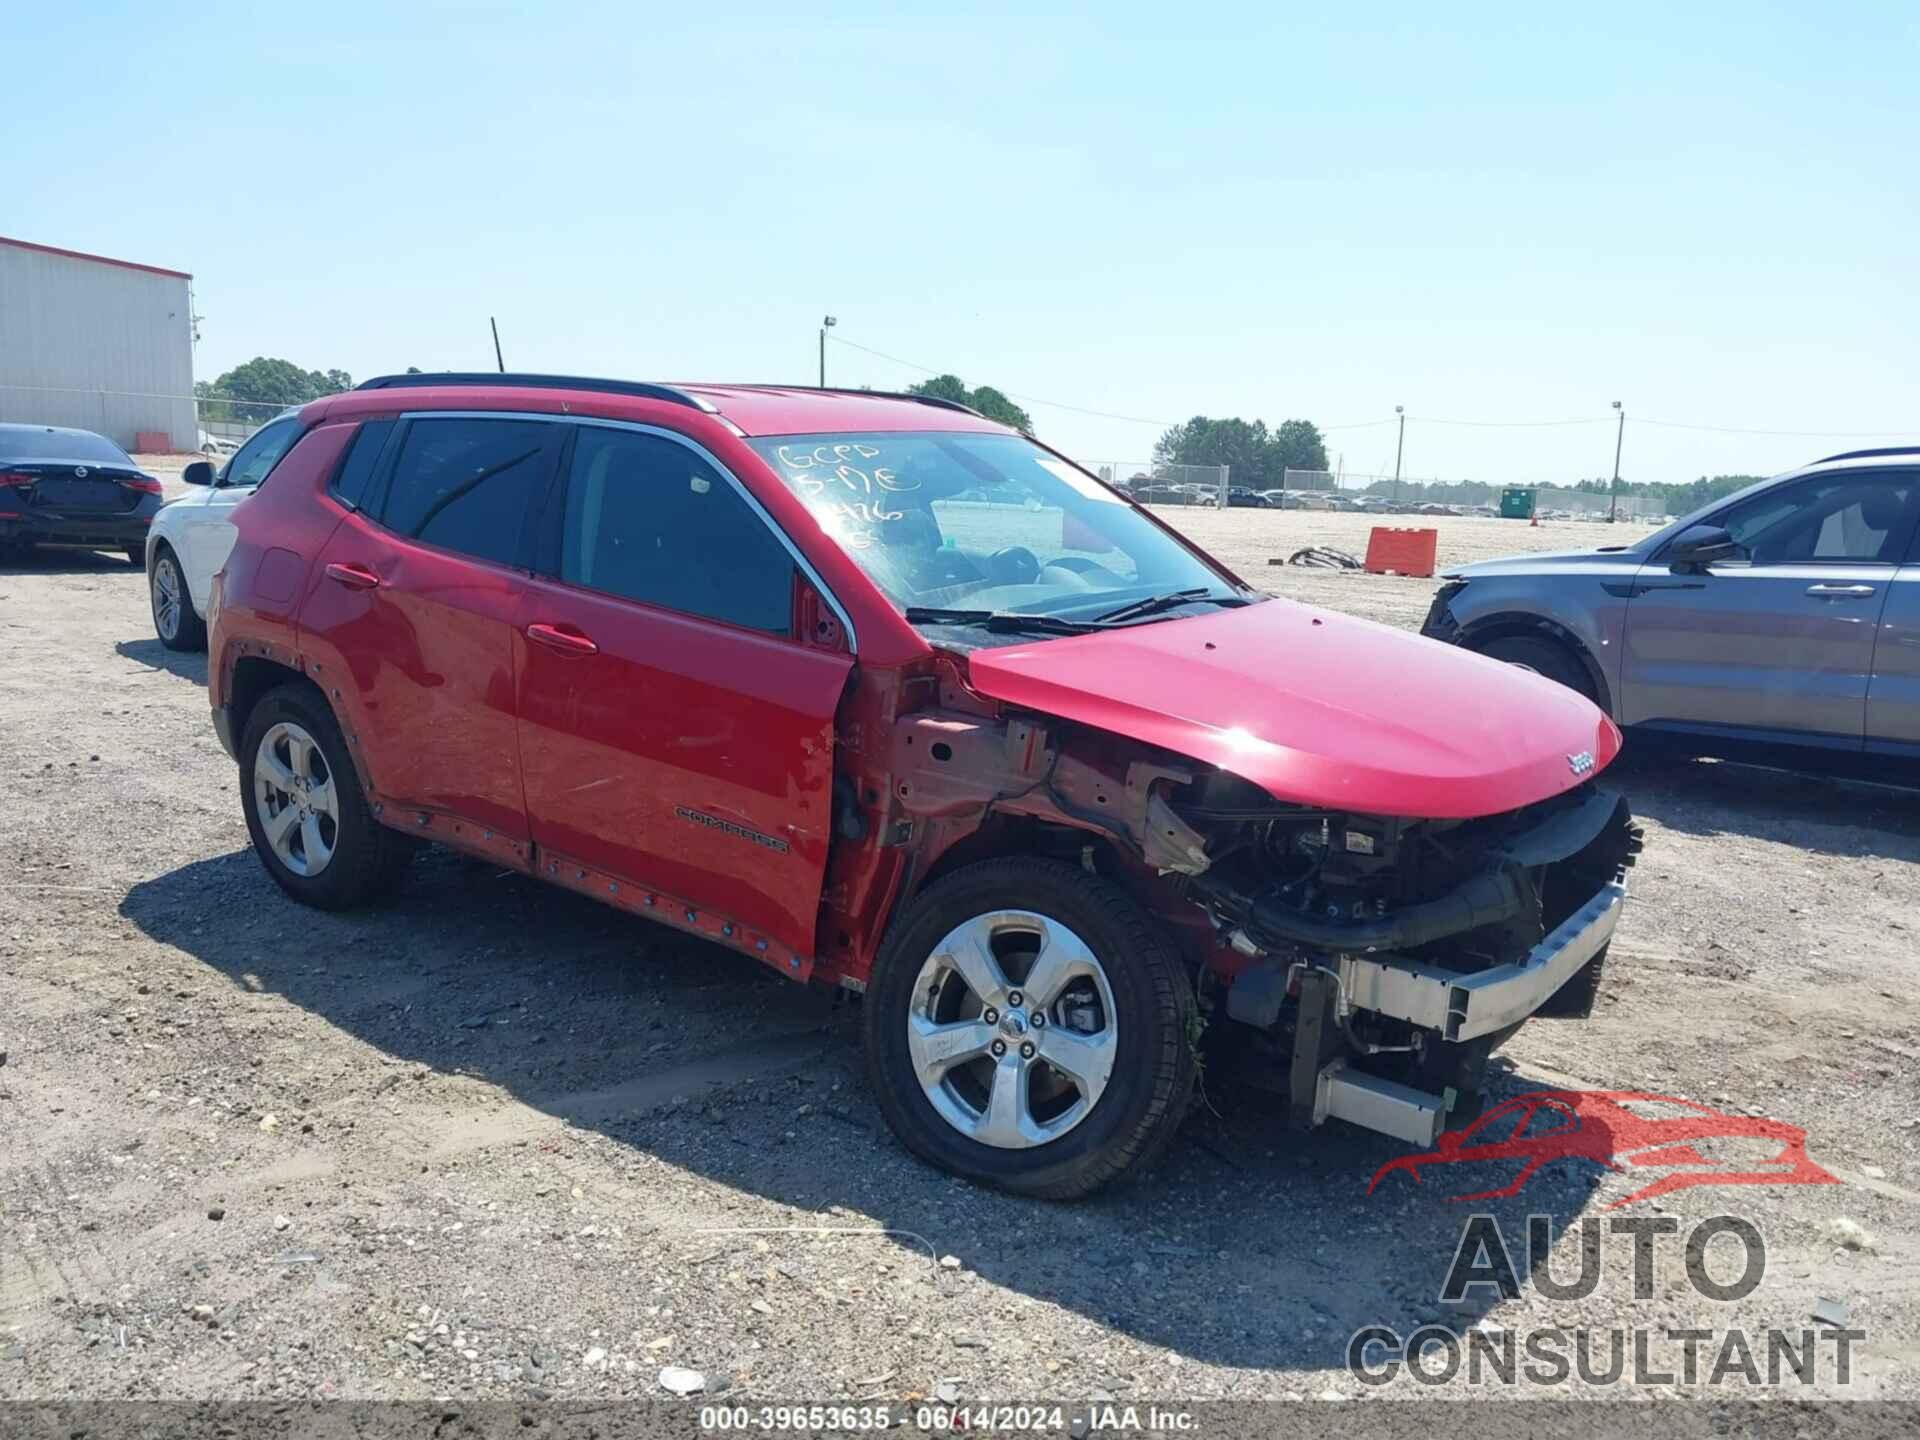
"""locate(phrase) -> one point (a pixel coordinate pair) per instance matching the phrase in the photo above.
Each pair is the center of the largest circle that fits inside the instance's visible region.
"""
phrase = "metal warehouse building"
(99, 344)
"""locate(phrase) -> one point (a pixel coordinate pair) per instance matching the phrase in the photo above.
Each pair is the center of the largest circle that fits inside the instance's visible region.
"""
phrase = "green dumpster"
(1516, 503)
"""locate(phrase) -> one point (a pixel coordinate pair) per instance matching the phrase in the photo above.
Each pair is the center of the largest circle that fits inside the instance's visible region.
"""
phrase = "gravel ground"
(493, 1140)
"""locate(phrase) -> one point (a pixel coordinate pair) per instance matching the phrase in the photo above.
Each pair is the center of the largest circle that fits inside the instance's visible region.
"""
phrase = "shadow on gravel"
(188, 665)
(1250, 1246)
(1826, 814)
(66, 562)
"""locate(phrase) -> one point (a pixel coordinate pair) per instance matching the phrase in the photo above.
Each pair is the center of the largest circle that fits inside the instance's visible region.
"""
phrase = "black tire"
(1146, 1097)
(1543, 656)
(367, 859)
(137, 556)
(190, 631)
(1575, 999)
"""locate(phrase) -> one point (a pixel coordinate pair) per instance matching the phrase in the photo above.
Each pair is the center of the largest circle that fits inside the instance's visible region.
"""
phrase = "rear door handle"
(1842, 592)
(566, 642)
(354, 577)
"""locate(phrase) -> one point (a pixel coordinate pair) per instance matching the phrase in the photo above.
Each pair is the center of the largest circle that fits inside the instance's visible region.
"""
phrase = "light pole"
(827, 322)
(1399, 447)
(1619, 434)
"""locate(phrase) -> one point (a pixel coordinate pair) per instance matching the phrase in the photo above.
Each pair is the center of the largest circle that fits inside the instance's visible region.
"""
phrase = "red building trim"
(97, 259)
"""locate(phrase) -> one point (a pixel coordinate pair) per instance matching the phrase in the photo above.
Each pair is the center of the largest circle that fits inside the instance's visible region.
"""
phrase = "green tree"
(988, 401)
(255, 390)
(1254, 456)
(1297, 444)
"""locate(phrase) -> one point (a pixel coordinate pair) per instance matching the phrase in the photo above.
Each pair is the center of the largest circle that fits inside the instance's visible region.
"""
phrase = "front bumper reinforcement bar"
(1465, 1007)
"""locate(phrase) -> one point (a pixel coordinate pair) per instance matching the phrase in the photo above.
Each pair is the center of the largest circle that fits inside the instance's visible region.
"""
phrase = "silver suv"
(1786, 614)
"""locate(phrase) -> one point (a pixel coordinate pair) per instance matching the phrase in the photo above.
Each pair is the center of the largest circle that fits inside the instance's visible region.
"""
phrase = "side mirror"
(1699, 546)
(198, 472)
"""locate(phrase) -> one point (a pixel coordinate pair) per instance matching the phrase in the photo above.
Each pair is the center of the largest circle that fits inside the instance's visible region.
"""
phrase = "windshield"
(984, 521)
(44, 442)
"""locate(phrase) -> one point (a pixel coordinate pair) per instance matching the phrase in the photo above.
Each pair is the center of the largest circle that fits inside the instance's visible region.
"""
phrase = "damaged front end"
(1387, 958)
(1371, 963)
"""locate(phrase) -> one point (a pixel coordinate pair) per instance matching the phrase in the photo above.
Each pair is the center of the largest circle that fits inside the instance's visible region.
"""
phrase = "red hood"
(1317, 708)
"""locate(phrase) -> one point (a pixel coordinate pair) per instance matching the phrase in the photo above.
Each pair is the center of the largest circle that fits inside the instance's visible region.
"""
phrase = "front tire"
(173, 618)
(1029, 1026)
(309, 819)
(1544, 657)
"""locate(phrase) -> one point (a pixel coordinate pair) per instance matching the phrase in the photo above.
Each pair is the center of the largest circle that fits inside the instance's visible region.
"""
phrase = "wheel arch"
(253, 677)
(1002, 836)
(1505, 624)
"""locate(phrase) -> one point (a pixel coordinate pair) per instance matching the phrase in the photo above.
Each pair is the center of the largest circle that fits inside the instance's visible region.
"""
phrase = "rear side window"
(465, 484)
(647, 519)
(255, 460)
(1848, 515)
(356, 471)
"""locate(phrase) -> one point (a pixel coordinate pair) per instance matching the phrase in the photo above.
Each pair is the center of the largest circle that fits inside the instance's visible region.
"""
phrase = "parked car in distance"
(1241, 496)
(190, 535)
(1783, 620)
(1030, 776)
(73, 489)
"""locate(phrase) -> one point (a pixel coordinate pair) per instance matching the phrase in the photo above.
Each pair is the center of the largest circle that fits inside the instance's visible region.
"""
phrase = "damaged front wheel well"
(1012, 835)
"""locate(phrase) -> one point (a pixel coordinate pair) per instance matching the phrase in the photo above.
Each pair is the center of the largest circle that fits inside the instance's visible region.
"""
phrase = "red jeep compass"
(887, 696)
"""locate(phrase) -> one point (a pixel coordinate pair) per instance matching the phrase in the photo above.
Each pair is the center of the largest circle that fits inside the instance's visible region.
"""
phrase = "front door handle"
(1842, 592)
(354, 577)
(566, 642)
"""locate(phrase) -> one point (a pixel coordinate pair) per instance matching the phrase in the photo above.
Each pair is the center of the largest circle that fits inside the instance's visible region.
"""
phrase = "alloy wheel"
(1013, 1031)
(166, 598)
(295, 799)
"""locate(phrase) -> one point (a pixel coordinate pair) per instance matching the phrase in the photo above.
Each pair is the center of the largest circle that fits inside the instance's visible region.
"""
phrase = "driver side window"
(252, 462)
(1849, 516)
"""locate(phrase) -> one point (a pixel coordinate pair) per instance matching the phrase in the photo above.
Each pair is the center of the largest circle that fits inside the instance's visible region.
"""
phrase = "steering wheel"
(1015, 565)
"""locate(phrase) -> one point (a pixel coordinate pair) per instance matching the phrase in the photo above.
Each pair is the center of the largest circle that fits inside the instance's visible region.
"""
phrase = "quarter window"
(647, 519)
(465, 484)
(255, 460)
(350, 484)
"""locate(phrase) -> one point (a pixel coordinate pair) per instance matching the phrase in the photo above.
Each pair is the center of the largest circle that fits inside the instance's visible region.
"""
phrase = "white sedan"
(190, 537)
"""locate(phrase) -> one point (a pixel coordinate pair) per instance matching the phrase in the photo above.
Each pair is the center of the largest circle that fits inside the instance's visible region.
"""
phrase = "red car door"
(673, 732)
(413, 602)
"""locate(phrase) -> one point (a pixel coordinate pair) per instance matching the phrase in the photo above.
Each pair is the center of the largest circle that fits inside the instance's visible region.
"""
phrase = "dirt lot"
(496, 1141)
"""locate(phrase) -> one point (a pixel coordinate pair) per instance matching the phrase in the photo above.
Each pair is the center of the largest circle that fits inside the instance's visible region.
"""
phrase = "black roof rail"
(1869, 454)
(537, 382)
(936, 400)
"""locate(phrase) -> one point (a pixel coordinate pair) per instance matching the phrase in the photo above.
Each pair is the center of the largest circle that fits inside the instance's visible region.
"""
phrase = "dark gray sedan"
(72, 488)
(1786, 615)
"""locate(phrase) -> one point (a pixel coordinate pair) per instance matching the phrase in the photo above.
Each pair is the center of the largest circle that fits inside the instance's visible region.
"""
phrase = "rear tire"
(1544, 657)
(345, 858)
(1130, 987)
(173, 618)
(137, 556)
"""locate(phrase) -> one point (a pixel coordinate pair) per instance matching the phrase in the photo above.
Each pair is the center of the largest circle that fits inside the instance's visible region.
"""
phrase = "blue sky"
(1484, 213)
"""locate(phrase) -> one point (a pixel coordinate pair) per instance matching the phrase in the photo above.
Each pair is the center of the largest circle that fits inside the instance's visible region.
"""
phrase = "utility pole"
(827, 322)
(1399, 448)
(497, 360)
(1619, 434)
